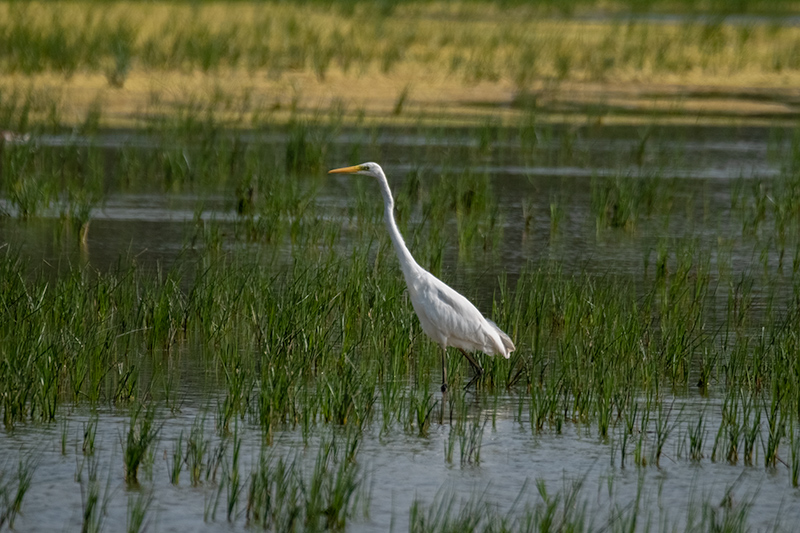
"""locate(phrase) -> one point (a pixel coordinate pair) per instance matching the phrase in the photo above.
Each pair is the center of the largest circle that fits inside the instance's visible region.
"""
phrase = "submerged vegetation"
(653, 296)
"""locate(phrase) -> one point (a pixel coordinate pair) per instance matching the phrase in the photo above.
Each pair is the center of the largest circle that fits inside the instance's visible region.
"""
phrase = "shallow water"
(401, 468)
(697, 166)
(701, 167)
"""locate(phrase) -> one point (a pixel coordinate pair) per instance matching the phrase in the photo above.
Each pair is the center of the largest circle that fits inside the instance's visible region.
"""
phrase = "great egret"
(446, 316)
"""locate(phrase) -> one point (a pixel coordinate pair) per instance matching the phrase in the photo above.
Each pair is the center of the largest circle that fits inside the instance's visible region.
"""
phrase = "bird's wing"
(456, 319)
(508, 344)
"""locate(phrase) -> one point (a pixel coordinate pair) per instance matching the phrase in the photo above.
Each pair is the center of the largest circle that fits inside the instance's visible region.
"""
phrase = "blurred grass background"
(123, 63)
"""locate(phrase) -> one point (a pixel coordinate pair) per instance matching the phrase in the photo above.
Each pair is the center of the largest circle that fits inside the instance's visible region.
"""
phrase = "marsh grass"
(12, 491)
(471, 440)
(95, 499)
(142, 433)
(561, 511)
(196, 448)
(567, 510)
(299, 346)
(323, 338)
(139, 503)
(283, 496)
(232, 477)
(697, 434)
(29, 190)
(90, 435)
(267, 49)
(177, 461)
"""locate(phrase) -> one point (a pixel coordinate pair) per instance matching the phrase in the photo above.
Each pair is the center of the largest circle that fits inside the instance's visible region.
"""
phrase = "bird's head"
(366, 169)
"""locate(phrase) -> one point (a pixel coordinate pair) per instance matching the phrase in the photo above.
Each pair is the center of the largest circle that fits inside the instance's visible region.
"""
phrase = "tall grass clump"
(282, 495)
(232, 477)
(141, 435)
(88, 336)
(304, 152)
(138, 505)
(94, 498)
(13, 490)
(29, 189)
(561, 511)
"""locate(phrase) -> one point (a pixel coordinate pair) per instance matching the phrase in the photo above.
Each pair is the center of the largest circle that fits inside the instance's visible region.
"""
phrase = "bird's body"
(450, 319)
(446, 316)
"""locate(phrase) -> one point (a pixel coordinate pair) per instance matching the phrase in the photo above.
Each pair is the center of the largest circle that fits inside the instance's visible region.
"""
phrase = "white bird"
(446, 316)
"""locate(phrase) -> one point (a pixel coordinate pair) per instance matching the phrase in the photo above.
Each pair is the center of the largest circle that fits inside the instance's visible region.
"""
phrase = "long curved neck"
(407, 262)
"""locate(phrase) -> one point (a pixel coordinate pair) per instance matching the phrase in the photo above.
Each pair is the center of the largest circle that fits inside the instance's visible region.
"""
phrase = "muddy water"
(701, 168)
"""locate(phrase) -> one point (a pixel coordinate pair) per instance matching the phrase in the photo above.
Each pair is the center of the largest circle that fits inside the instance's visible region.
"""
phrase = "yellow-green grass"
(457, 62)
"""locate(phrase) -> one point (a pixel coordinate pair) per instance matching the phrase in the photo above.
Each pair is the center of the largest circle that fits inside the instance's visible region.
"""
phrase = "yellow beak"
(345, 170)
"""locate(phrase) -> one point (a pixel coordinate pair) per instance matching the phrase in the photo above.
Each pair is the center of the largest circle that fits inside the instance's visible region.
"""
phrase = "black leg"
(473, 380)
(473, 362)
(444, 370)
(475, 365)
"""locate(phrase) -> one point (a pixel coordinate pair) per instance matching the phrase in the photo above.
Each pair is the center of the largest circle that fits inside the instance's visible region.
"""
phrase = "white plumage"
(446, 316)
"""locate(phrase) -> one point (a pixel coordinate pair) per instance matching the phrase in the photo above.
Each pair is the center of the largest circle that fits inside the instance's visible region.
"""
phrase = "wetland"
(203, 330)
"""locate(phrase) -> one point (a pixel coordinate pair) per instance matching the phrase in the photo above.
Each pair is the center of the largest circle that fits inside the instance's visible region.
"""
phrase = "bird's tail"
(508, 344)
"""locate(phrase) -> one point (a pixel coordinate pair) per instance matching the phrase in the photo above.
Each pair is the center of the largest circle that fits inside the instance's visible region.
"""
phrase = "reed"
(232, 480)
(89, 435)
(697, 435)
(138, 506)
(262, 50)
(95, 500)
(12, 491)
(281, 495)
(326, 340)
(196, 448)
(292, 316)
(563, 510)
(141, 434)
(178, 460)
